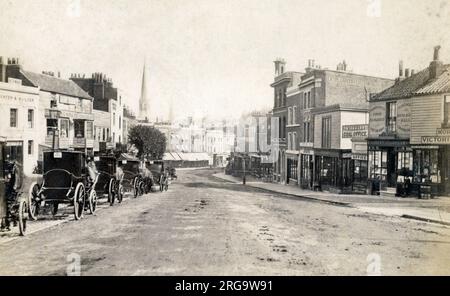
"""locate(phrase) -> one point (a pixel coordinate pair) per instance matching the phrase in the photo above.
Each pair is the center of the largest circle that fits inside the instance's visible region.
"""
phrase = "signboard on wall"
(442, 137)
(355, 131)
(377, 119)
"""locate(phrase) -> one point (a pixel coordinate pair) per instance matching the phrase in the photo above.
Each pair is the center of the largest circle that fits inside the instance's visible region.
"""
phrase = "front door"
(392, 168)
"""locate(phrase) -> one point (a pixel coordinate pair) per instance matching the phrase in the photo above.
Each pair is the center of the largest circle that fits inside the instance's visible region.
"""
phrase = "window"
(280, 98)
(64, 130)
(89, 129)
(294, 113)
(79, 128)
(360, 171)
(426, 166)
(289, 141)
(326, 132)
(114, 119)
(289, 115)
(120, 122)
(378, 165)
(13, 117)
(308, 101)
(30, 147)
(292, 168)
(52, 125)
(391, 117)
(294, 141)
(404, 162)
(30, 118)
(446, 111)
(306, 131)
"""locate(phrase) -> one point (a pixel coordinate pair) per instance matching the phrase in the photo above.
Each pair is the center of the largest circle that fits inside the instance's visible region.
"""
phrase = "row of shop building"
(344, 132)
(43, 111)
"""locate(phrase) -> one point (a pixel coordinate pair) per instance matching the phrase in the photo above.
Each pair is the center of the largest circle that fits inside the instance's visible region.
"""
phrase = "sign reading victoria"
(442, 137)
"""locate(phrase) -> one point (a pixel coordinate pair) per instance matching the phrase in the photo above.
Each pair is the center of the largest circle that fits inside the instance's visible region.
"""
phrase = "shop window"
(405, 163)
(426, 166)
(292, 167)
(360, 171)
(64, 130)
(326, 132)
(378, 165)
(13, 117)
(391, 117)
(52, 125)
(30, 118)
(89, 129)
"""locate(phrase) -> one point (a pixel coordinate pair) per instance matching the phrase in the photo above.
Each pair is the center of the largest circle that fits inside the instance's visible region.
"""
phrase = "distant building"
(65, 110)
(108, 109)
(19, 125)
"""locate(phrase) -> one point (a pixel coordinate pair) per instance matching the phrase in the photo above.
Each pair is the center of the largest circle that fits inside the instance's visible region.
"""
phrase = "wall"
(377, 118)
(335, 129)
(426, 117)
(350, 118)
(351, 90)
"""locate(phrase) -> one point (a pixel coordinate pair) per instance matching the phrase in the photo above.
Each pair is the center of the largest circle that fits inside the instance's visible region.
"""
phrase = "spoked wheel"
(23, 216)
(92, 201)
(135, 187)
(120, 193)
(111, 192)
(78, 201)
(55, 207)
(33, 201)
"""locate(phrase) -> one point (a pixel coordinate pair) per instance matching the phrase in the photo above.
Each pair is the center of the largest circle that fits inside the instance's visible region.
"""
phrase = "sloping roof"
(418, 83)
(439, 85)
(56, 85)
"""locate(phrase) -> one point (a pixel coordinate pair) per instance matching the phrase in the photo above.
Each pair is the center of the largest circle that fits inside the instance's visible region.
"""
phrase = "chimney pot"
(407, 72)
(436, 53)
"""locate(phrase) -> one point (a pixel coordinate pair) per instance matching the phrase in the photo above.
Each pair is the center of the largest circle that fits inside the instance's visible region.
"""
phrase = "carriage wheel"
(92, 201)
(141, 187)
(55, 208)
(23, 215)
(120, 194)
(33, 203)
(111, 192)
(78, 201)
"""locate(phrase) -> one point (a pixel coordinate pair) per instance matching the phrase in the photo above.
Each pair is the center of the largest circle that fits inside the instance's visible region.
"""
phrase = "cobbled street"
(206, 226)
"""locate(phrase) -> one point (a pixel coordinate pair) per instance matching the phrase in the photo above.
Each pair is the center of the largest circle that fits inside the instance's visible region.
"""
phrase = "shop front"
(389, 162)
(306, 168)
(333, 170)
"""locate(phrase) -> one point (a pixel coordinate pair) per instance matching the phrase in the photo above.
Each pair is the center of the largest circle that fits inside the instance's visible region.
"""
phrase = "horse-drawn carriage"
(13, 205)
(108, 183)
(132, 179)
(160, 174)
(65, 180)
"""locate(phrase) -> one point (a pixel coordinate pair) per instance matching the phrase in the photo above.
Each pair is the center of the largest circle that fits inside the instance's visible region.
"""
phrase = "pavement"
(207, 226)
(436, 210)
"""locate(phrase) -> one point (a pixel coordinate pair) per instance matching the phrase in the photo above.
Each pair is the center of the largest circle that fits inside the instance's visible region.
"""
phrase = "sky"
(215, 57)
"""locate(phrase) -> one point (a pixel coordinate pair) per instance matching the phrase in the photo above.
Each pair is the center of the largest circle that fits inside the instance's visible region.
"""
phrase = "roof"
(56, 85)
(417, 84)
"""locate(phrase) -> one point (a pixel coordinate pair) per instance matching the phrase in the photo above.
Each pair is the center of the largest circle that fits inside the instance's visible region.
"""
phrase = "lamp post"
(55, 130)
(243, 165)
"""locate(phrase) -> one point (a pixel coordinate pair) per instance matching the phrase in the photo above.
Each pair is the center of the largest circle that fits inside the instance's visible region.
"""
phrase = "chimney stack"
(407, 72)
(400, 69)
(280, 65)
(436, 66)
(412, 72)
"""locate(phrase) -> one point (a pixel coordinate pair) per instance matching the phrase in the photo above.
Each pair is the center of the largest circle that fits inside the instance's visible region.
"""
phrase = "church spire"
(143, 101)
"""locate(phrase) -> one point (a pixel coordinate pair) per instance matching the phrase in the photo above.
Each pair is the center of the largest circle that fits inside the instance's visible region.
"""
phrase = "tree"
(149, 141)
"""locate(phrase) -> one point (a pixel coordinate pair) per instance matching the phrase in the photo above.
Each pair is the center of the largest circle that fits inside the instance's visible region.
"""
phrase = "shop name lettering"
(436, 140)
(355, 131)
(16, 99)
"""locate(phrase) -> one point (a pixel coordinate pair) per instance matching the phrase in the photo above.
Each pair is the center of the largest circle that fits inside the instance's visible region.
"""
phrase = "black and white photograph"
(224, 138)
